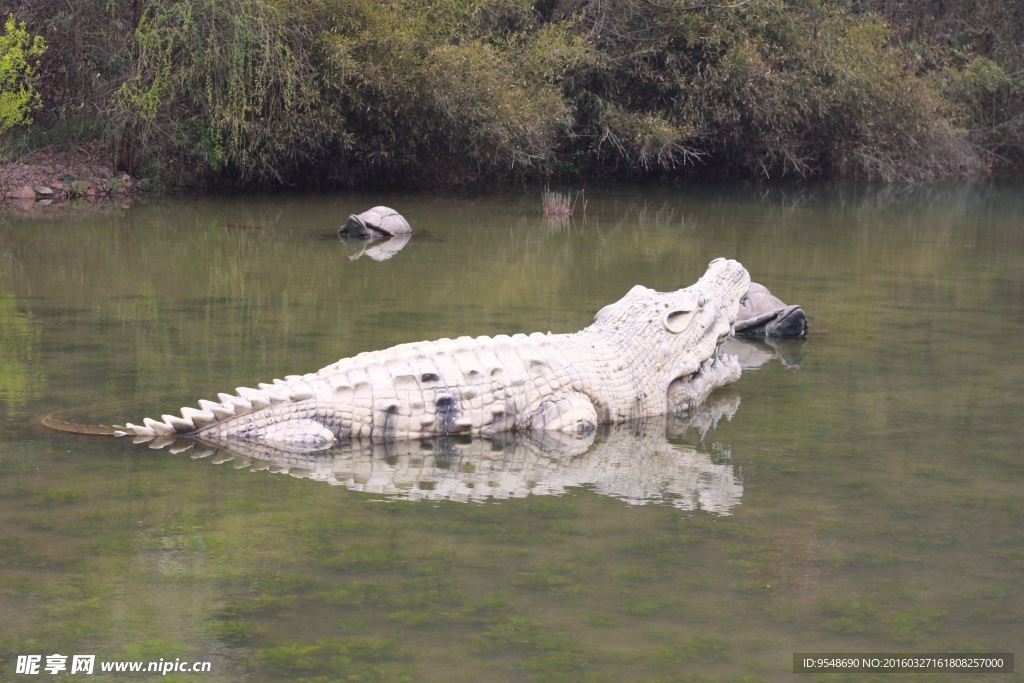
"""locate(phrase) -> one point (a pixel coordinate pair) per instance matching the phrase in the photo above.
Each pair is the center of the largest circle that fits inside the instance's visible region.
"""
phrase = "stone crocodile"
(648, 354)
(648, 461)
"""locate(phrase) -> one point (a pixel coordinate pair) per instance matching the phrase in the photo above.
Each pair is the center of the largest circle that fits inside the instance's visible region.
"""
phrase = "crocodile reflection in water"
(640, 462)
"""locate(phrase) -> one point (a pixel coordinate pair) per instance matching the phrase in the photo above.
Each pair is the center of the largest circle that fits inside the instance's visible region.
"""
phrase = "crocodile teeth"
(158, 428)
(178, 424)
(199, 418)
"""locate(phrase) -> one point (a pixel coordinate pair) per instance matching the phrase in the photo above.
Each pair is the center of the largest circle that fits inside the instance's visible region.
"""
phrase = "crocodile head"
(676, 337)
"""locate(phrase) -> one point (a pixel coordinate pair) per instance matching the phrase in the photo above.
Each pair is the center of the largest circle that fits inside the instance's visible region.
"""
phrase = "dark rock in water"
(762, 314)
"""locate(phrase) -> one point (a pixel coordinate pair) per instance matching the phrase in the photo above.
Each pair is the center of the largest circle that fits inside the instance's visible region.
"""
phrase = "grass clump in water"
(560, 204)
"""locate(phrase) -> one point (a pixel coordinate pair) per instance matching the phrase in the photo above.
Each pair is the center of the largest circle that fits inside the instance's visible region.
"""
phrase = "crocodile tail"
(246, 400)
(52, 422)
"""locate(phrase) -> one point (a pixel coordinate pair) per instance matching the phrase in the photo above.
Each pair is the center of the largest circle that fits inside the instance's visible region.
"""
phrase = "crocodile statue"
(648, 354)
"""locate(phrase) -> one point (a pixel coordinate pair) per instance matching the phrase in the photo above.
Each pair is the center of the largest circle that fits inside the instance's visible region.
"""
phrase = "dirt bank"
(48, 176)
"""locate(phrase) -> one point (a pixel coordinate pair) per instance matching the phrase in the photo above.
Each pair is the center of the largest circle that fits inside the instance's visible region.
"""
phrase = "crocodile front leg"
(569, 412)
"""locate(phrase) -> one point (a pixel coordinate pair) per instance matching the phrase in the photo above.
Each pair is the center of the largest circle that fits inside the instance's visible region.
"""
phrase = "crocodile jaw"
(708, 368)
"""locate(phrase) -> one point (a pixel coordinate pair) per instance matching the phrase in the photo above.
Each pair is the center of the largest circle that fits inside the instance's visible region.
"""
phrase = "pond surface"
(857, 492)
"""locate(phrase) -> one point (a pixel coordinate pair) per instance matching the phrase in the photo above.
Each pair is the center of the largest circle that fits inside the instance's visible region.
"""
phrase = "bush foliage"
(458, 92)
(18, 54)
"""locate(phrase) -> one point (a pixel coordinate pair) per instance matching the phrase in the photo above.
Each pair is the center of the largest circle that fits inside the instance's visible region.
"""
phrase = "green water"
(859, 492)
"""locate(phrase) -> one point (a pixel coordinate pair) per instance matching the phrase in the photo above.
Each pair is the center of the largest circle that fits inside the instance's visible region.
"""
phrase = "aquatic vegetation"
(699, 649)
(362, 557)
(911, 625)
(560, 204)
(19, 552)
(521, 634)
(650, 605)
(359, 658)
(851, 616)
(559, 578)
(236, 631)
(634, 574)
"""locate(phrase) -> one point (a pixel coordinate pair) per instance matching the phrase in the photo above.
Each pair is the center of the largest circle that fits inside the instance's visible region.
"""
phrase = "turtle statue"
(378, 222)
(762, 314)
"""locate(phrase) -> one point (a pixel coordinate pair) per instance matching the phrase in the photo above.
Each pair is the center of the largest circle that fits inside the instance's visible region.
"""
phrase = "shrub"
(18, 54)
(224, 88)
(987, 104)
(456, 92)
(758, 88)
(464, 92)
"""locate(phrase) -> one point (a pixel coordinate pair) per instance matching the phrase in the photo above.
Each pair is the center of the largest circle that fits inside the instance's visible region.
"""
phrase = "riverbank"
(434, 94)
(46, 176)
